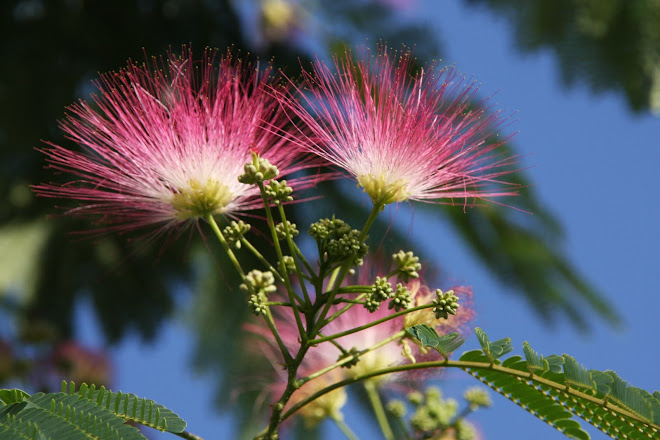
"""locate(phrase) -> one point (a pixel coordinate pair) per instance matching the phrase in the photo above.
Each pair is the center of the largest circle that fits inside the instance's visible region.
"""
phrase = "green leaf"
(576, 374)
(63, 416)
(445, 344)
(81, 415)
(535, 362)
(13, 429)
(130, 407)
(13, 396)
(555, 389)
(493, 350)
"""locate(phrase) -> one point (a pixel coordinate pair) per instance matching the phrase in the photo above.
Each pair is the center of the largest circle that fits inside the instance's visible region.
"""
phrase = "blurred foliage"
(607, 44)
(52, 50)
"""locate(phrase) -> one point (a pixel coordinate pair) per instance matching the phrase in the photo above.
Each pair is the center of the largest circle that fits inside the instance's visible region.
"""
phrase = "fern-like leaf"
(78, 417)
(12, 396)
(86, 414)
(130, 407)
(557, 388)
(428, 337)
(493, 350)
(13, 429)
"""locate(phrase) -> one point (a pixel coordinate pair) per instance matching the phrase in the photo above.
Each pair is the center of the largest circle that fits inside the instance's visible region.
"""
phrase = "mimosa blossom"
(395, 348)
(165, 142)
(403, 137)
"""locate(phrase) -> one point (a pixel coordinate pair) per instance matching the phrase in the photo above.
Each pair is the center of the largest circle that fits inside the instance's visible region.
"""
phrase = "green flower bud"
(259, 282)
(370, 303)
(443, 411)
(289, 263)
(396, 408)
(279, 192)
(381, 289)
(258, 170)
(353, 362)
(465, 430)
(281, 230)
(415, 397)
(347, 246)
(257, 304)
(328, 228)
(407, 264)
(445, 304)
(401, 298)
(235, 232)
(422, 421)
(319, 231)
(433, 394)
(477, 397)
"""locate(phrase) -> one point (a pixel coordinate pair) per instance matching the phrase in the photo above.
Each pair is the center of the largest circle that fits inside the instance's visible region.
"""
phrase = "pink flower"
(166, 141)
(398, 350)
(403, 136)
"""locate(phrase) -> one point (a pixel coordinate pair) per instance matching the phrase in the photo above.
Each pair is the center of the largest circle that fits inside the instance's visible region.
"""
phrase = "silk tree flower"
(164, 142)
(402, 136)
(395, 352)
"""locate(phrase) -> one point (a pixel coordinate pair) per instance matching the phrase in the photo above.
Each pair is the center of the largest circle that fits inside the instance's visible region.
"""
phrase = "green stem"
(261, 258)
(280, 258)
(347, 359)
(341, 311)
(403, 428)
(294, 255)
(332, 279)
(353, 289)
(371, 324)
(468, 366)
(273, 328)
(237, 265)
(188, 435)
(343, 427)
(377, 405)
(344, 270)
(270, 433)
(349, 301)
(278, 303)
(225, 245)
(303, 259)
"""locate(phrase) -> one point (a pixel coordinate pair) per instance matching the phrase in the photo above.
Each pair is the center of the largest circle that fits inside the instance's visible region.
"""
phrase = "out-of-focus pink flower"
(79, 364)
(395, 352)
(330, 404)
(403, 136)
(165, 142)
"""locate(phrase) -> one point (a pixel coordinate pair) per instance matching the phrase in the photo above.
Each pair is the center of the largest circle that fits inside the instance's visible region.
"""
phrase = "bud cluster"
(281, 229)
(235, 232)
(407, 265)
(434, 417)
(353, 362)
(278, 191)
(381, 290)
(401, 298)
(258, 285)
(338, 240)
(289, 263)
(445, 304)
(258, 170)
(477, 397)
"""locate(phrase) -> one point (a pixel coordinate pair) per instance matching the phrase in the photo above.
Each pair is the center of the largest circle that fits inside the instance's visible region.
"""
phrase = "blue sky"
(593, 164)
